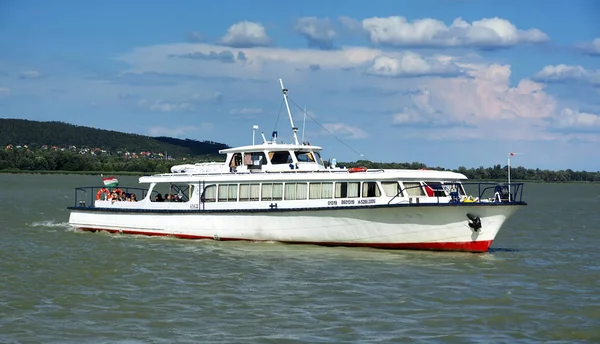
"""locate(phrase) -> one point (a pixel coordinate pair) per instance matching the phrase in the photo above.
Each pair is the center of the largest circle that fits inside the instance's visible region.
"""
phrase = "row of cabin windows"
(316, 190)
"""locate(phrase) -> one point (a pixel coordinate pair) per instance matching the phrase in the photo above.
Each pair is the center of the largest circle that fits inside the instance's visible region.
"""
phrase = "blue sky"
(449, 83)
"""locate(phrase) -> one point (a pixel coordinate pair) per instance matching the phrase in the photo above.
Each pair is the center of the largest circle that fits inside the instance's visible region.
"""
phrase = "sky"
(447, 83)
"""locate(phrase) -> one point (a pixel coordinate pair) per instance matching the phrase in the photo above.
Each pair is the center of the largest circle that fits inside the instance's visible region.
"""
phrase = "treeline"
(23, 160)
(496, 172)
(36, 134)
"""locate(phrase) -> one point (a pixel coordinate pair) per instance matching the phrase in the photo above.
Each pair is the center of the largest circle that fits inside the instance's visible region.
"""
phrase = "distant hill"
(60, 134)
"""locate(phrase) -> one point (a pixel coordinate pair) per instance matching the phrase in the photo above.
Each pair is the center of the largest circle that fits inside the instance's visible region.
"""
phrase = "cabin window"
(305, 157)
(172, 192)
(320, 190)
(228, 192)
(209, 194)
(296, 191)
(347, 189)
(272, 192)
(391, 189)
(280, 157)
(413, 189)
(249, 192)
(370, 189)
(434, 189)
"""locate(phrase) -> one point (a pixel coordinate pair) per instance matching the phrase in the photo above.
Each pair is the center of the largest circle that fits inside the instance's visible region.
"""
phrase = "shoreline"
(91, 173)
(129, 173)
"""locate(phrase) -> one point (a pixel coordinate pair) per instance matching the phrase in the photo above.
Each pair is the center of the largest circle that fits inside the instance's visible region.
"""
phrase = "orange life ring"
(357, 169)
(100, 192)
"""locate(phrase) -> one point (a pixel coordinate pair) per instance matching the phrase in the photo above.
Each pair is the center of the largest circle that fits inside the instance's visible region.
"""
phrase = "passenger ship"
(286, 193)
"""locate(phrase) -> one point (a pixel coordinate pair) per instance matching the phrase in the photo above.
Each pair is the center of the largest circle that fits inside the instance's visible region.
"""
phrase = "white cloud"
(590, 48)
(163, 106)
(195, 36)
(318, 32)
(246, 111)
(410, 64)
(573, 119)
(178, 131)
(485, 33)
(565, 73)
(422, 113)
(345, 131)
(246, 34)
(487, 94)
(4, 91)
(30, 74)
(351, 24)
(258, 62)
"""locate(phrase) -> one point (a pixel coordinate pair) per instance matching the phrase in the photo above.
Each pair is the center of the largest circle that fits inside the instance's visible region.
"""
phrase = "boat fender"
(216, 237)
(474, 222)
(292, 166)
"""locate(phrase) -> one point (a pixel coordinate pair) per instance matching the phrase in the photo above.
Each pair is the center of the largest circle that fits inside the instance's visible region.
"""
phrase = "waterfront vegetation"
(48, 161)
(56, 147)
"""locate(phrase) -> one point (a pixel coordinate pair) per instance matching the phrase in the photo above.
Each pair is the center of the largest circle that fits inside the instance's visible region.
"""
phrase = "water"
(539, 283)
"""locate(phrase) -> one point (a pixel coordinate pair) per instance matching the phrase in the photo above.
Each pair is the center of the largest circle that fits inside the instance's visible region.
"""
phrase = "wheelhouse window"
(228, 192)
(305, 156)
(391, 189)
(347, 189)
(320, 190)
(272, 192)
(255, 159)
(319, 159)
(236, 160)
(413, 189)
(370, 189)
(209, 194)
(249, 192)
(296, 191)
(280, 157)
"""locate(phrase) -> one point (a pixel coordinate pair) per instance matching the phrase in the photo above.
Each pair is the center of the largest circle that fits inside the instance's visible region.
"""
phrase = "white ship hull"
(433, 227)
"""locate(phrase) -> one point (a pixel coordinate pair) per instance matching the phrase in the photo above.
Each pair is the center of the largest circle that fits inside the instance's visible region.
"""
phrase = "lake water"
(540, 282)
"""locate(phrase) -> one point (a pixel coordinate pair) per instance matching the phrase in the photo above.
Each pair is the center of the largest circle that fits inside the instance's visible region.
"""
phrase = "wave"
(50, 224)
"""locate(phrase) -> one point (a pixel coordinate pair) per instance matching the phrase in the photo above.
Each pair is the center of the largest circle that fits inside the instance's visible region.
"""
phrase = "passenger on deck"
(118, 191)
(168, 198)
(114, 197)
(132, 198)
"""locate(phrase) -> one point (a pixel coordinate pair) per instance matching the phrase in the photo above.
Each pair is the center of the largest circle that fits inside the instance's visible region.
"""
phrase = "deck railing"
(474, 192)
(85, 196)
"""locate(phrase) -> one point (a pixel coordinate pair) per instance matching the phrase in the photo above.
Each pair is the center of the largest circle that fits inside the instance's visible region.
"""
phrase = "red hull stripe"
(470, 246)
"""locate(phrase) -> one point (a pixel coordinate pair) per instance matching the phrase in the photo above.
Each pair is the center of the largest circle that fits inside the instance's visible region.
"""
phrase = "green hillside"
(36, 134)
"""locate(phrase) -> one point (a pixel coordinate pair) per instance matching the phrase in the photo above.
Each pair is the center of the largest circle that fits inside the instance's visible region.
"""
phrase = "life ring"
(100, 192)
(357, 169)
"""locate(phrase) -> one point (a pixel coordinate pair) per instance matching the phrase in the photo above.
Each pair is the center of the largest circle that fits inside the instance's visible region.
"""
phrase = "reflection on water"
(538, 283)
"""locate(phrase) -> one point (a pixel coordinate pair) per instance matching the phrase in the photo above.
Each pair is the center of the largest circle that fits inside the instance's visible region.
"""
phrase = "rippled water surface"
(539, 283)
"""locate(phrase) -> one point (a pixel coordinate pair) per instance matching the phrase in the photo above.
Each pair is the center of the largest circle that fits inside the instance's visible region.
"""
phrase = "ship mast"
(287, 105)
